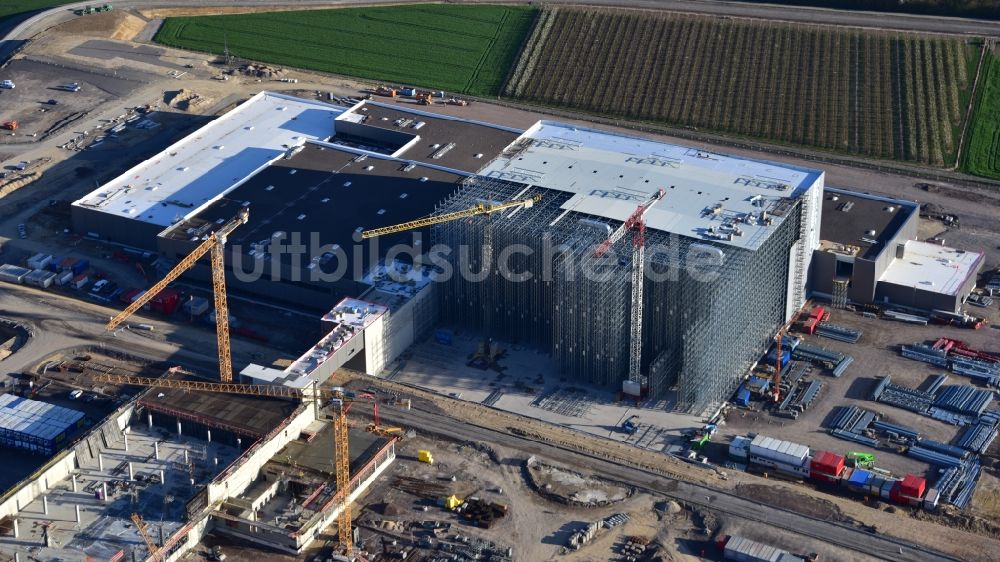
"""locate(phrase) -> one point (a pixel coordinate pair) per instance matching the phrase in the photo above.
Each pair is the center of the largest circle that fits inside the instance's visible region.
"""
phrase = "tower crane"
(637, 224)
(214, 243)
(140, 527)
(479, 209)
(341, 398)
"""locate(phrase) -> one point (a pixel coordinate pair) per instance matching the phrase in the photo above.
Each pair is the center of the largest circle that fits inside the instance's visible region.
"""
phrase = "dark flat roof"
(848, 216)
(317, 454)
(469, 138)
(324, 195)
(249, 415)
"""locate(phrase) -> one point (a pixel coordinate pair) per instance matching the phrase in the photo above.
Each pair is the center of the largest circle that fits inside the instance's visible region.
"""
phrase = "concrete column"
(156, 450)
(125, 441)
(45, 505)
(216, 459)
(16, 533)
(17, 557)
(178, 428)
(131, 472)
(78, 521)
(100, 462)
(104, 490)
(74, 482)
(163, 477)
(149, 419)
(185, 456)
(239, 443)
(209, 435)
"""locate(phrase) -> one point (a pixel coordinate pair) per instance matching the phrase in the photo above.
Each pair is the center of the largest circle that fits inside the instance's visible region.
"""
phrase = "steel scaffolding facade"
(698, 336)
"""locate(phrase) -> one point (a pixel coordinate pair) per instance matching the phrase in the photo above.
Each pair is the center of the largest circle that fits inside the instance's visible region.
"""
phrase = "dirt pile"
(109, 25)
(572, 488)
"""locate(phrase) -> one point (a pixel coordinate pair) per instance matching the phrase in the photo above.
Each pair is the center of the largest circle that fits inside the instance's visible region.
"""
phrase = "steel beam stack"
(902, 397)
(925, 353)
(964, 400)
(839, 333)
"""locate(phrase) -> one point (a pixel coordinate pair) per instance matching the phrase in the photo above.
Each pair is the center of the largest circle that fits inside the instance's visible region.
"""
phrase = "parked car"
(75, 394)
(6, 84)
(99, 286)
(71, 87)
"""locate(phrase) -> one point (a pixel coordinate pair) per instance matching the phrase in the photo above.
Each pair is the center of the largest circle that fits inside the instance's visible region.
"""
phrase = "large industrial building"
(729, 246)
(870, 253)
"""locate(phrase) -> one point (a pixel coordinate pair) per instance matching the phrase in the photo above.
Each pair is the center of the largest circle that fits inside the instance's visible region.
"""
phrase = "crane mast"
(637, 224)
(214, 243)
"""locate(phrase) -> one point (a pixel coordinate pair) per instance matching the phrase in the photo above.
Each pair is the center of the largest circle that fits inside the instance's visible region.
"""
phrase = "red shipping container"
(825, 463)
(912, 486)
(166, 302)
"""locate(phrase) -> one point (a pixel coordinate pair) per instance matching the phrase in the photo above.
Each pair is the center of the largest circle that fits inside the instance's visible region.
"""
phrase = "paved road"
(879, 546)
(935, 24)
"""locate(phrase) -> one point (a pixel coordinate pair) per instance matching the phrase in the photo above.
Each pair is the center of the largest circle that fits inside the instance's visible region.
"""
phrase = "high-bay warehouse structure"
(729, 245)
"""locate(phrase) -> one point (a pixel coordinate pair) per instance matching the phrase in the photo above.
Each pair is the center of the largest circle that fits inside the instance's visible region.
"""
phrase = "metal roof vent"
(347, 184)
(870, 232)
(380, 212)
(890, 209)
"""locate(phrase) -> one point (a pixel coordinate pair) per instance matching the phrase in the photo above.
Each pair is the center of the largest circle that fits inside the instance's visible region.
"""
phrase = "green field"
(10, 8)
(464, 49)
(983, 155)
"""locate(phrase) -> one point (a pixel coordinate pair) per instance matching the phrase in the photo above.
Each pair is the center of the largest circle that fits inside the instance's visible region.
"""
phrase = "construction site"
(389, 330)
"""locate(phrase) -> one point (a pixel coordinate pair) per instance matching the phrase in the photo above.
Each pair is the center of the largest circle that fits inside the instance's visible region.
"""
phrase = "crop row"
(465, 49)
(868, 92)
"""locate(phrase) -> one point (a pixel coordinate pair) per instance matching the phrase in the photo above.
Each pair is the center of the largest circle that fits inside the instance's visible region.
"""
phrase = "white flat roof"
(611, 173)
(934, 268)
(350, 318)
(208, 163)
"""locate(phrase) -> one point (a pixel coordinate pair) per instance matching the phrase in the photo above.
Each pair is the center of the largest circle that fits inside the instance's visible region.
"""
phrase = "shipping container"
(826, 466)
(912, 486)
(743, 396)
(64, 278)
(858, 480)
(785, 453)
(40, 278)
(931, 499)
(80, 281)
(12, 273)
(195, 306)
(39, 261)
(80, 266)
(886, 492)
(746, 550)
(739, 448)
(67, 263)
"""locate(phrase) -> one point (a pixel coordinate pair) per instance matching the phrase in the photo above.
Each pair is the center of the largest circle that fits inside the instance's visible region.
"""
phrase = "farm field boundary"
(983, 151)
(458, 48)
(877, 94)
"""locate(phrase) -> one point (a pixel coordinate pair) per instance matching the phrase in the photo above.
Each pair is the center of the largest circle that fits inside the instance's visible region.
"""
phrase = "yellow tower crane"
(480, 209)
(140, 527)
(341, 452)
(214, 243)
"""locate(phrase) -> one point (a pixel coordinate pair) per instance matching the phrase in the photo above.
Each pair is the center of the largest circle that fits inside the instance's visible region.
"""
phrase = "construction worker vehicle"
(861, 460)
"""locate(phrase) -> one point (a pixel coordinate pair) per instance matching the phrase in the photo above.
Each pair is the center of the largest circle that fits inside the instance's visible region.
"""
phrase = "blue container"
(743, 396)
(80, 266)
(859, 478)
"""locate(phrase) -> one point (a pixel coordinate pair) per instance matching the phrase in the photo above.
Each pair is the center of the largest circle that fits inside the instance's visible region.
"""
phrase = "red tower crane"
(636, 223)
